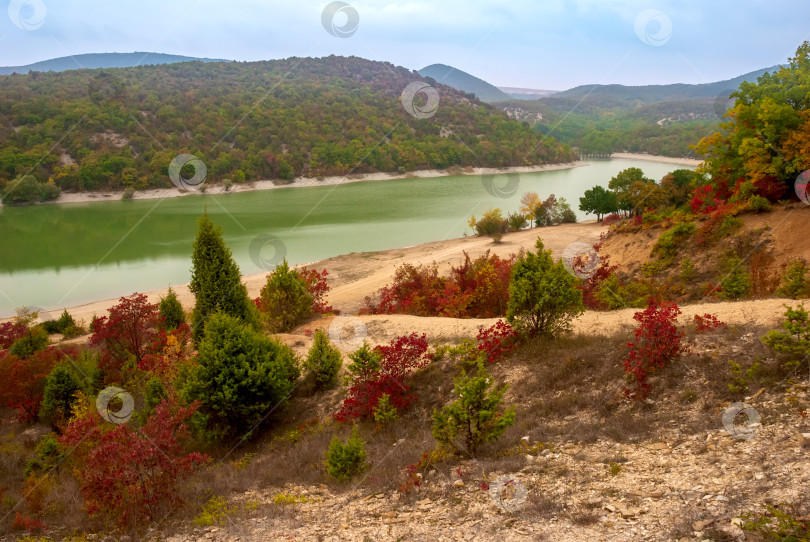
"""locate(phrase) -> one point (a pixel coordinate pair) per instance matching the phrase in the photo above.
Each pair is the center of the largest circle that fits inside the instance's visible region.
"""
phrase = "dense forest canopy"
(665, 120)
(766, 143)
(121, 128)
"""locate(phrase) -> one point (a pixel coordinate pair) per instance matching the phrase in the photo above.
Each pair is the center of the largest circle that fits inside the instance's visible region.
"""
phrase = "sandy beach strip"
(305, 182)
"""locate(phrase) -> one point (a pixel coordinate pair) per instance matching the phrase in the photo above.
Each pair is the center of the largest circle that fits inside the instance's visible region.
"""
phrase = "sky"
(541, 44)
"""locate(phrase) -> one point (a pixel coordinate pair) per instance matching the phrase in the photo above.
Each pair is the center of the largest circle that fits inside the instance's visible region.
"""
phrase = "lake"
(56, 256)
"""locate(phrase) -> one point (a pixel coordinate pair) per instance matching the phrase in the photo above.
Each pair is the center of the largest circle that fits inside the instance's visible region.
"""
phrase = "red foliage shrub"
(770, 187)
(317, 288)
(399, 359)
(27, 524)
(24, 379)
(592, 283)
(657, 342)
(707, 322)
(703, 200)
(129, 475)
(476, 289)
(497, 340)
(611, 219)
(131, 330)
(10, 332)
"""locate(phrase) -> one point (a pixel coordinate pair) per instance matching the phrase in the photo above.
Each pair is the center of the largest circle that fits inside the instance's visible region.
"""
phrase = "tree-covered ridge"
(120, 128)
(766, 143)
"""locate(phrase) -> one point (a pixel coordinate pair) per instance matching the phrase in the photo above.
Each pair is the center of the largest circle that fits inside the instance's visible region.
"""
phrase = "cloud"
(531, 43)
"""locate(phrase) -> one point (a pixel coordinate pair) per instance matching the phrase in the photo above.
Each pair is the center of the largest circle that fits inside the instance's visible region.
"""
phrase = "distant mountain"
(101, 60)
(656, 93)
(460, 80)
(527, 93)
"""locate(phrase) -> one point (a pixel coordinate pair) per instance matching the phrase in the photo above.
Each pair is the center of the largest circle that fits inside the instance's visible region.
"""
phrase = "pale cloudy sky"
(546, 44)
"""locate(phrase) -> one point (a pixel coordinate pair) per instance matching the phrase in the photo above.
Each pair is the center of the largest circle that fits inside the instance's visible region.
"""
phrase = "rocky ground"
(677, 487)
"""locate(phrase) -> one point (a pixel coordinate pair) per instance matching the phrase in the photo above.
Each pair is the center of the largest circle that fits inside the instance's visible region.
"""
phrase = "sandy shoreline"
(304, 182)
(653, 158)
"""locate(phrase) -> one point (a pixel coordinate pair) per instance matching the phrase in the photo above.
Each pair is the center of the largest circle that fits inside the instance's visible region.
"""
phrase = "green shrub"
(284, 301)
(784, 522)
(728, 225)
(795, 339)
(61, 388)
(22, 191)
(324, 361)
(345, 460)
(517, 221)
(47, 456)
(36, 339)
(687, 270)
(669, 241)
(736, 283)
(794, 281)
(171, 311)
(476, 417)
(128, 194)
(758, 204)
(216, 281)
(543, 298)
(364, 363)
(614, 295)
(385, 413)
(241, 375)
(491, 223)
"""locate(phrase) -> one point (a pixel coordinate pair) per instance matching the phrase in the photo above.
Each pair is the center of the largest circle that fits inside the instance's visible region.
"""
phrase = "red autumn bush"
(24, 379)
(10, 332)
(397, 361)
(657, 343)
(707, 322)
(591, 285)
(131, 475)
(318, 288)
(28, 524)
(497, 340)
(611, 219)
(477, 288)
(130, 331)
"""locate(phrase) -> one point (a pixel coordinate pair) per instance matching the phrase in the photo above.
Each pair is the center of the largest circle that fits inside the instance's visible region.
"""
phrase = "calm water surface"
(55, 256)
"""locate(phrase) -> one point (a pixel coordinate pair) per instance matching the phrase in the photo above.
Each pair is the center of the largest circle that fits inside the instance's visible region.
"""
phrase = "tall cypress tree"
(216, 281)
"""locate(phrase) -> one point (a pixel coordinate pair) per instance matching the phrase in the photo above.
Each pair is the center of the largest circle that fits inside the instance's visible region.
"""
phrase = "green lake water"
(55, 256)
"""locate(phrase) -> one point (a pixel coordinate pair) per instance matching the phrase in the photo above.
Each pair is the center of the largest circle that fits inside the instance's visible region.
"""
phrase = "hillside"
(101, 60)
(657, 119)
(621, 94)
(117, 128)
(461, 80)
(593, 466)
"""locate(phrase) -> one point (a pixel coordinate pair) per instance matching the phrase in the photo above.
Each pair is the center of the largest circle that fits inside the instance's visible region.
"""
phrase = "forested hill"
(101, 60)
(117, 128)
